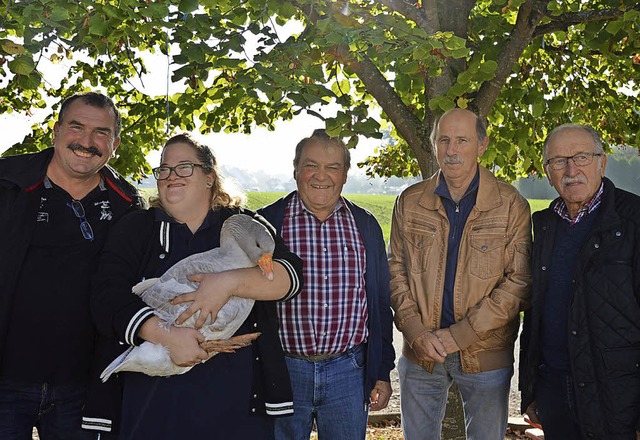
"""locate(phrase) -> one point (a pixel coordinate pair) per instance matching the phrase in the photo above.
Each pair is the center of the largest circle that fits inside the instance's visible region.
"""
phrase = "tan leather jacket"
(493, 276)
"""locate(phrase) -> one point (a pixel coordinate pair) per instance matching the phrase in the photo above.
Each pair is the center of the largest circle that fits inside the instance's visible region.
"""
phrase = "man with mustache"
(459, 263)
(56, 207)
(580, 346)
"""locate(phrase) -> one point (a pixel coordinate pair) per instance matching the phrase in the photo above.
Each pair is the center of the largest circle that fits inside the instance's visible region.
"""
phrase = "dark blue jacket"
(603, 321)
(380, 352)
(20, 176)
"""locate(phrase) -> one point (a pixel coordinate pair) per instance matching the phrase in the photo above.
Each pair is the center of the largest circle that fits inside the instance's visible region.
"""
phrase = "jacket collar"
(488, 193)
(27, 171)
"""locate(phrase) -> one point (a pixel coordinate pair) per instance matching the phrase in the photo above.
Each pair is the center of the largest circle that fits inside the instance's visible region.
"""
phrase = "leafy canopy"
(375, 66)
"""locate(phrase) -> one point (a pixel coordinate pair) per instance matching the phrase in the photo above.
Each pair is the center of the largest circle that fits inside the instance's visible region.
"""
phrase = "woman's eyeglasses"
(181, 170)
(85, 227)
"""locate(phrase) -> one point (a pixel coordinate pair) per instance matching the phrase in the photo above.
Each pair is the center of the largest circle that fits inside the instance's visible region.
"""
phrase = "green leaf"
(22, 65)
(28, 82)
(98, 25)
(613, 27)
(12, 48)
(188, 6)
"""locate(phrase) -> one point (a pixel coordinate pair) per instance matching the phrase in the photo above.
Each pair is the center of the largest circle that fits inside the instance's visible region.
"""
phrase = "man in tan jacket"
(459, 263)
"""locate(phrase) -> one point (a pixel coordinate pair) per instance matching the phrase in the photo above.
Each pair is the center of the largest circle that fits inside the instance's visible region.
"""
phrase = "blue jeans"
(329, 392)
(55, 411)
(423, 399)
(556, 405)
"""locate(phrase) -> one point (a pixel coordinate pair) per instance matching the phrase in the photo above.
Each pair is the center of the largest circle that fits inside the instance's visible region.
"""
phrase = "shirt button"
(597, 246)
(255, 324)
(618, 233)
(581, 384)
(573, 332)
(544, 267)
(325, 277)
(162, 256)
(255, 396)
(257, 358)
(324, 249)
(484, 248)
(253, 410)
(325, 305)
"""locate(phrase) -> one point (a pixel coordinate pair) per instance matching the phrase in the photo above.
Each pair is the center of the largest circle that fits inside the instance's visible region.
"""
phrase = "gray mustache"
(453, 159)
(577, 179)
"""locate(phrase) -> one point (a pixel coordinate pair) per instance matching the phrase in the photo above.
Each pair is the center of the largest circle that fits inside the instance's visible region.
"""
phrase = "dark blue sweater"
(554, 340)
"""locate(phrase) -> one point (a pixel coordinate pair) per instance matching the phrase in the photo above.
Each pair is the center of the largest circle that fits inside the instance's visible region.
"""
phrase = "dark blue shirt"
(457, 213)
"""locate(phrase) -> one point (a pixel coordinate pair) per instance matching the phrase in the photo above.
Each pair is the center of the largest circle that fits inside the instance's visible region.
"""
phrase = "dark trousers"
(55, 411)
(556, 405)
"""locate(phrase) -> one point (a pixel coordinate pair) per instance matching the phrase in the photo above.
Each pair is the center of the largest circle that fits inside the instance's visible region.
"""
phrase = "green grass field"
(381, 205)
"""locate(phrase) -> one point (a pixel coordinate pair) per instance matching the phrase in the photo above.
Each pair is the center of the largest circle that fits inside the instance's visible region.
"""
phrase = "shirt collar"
(299, 207)
(48, 184)
(442, 189)
(560, 207)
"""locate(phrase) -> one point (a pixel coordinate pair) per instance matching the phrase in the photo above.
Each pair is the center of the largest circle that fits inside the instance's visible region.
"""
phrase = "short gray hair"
(595, 136)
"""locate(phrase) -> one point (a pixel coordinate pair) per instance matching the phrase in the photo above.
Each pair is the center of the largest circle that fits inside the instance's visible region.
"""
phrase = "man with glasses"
(56, 207)
(580, 346)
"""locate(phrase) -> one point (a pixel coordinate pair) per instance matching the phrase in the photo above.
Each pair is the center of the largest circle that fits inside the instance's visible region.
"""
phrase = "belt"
(313, 357)
(321, 357)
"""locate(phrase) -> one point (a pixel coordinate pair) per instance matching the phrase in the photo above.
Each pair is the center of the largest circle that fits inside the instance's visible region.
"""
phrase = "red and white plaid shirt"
(330, 315)
(560, 207)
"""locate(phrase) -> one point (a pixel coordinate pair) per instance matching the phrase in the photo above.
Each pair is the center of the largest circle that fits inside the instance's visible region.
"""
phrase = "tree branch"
(413, 13)
(406, 123)
(564, 21)
(529, 15)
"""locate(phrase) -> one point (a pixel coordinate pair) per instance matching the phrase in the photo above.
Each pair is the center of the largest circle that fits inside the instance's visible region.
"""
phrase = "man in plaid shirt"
(337, 334)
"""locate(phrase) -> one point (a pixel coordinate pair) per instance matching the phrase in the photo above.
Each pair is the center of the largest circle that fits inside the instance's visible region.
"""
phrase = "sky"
(270, 151)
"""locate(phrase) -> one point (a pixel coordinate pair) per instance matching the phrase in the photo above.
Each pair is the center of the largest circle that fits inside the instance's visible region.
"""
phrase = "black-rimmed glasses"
(85, 227)
(181, 170)
(579, 159)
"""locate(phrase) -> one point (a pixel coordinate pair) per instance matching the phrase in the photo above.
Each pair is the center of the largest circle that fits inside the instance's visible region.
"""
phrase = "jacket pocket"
(620, 389)
(418, 247)
(487, 254)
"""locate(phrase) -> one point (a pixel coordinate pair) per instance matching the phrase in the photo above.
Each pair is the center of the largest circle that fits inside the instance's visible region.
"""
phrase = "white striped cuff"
(134, 324)
(279, 409)
(96, 424)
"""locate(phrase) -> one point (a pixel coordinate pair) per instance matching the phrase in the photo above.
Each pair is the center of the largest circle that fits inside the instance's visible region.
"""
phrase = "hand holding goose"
(244, 242)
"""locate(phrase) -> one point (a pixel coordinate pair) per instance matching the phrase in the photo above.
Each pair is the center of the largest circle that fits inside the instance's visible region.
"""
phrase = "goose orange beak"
(266, 264)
